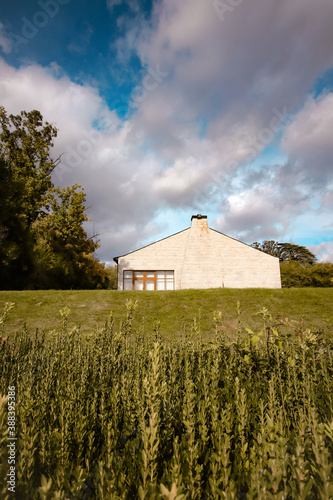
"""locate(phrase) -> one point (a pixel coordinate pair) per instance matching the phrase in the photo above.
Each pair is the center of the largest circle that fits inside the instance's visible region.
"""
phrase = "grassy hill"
(174, 310)
(135, 416)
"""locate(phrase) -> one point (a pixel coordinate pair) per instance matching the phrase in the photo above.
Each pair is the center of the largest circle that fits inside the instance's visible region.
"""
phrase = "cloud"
(253, 214)
(263, 52)
(210, 99)
(5, 42)
(111, 4)
(99, 152)
(308, 141)
(323, 251)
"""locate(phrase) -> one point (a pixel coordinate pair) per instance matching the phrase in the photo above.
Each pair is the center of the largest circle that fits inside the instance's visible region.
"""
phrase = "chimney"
(198, 216)
(199, 222)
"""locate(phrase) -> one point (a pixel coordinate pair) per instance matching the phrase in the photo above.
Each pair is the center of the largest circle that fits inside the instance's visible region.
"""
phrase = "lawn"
(174, 310)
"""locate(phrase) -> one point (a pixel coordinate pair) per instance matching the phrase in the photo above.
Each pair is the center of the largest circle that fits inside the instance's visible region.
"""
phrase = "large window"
(148, 280)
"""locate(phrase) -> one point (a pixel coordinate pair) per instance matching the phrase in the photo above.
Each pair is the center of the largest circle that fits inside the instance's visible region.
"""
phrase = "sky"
(170, 108)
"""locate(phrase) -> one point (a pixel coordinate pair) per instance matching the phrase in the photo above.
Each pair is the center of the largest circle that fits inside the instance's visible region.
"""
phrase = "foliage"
(112, 272)
(289, 251)
(297, 274)
(128, 415)
(268, 246)
(65, 252)
(40, 226)
(286, 251)
(25, 169)
(298, 265)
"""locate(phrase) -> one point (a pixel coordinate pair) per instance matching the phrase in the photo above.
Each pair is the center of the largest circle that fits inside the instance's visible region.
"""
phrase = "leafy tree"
(271, 247)
(298, 274)
(286, 251)
(289, 251)
(43, 243)
(65, 252)
(25, 168)
(112, 272)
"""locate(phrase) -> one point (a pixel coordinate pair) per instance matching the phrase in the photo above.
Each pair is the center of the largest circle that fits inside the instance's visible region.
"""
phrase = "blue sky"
(170, 108)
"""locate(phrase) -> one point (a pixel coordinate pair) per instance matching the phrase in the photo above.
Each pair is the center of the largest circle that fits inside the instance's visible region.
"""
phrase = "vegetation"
(298, 265)
(43, 244)
(286, 251)
(126, 414)
(297, 274)
(112, 273)
(174, 310)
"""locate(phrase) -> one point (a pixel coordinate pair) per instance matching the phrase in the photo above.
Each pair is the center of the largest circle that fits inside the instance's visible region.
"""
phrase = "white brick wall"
(203, 258)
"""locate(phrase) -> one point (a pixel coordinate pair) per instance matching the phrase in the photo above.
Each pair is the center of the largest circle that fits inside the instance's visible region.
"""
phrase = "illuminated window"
(148, 280)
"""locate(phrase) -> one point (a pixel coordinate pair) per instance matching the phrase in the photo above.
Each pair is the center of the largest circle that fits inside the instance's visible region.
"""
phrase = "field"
(175, 396)
(175, 311)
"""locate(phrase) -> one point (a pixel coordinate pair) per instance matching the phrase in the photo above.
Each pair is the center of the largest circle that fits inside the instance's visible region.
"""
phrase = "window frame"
(148, 279)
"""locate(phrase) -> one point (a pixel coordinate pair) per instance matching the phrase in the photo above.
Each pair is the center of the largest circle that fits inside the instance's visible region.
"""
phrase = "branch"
(57, 161)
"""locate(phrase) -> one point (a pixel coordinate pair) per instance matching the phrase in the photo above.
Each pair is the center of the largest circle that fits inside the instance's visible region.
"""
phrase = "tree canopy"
(297, 274)
(43, 243)
(286, 251)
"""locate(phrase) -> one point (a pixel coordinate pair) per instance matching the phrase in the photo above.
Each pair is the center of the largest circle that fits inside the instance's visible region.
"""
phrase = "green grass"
(123, 416)
(175, 310)
(122, 412)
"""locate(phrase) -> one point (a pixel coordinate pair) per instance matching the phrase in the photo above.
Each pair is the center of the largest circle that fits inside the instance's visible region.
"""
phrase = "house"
(197, 257)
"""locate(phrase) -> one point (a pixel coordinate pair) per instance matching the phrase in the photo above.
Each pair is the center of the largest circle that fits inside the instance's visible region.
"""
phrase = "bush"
(127, 415)
(298, 274)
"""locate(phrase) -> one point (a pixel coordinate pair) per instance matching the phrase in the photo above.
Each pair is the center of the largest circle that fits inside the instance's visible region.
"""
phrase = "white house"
(197, 257)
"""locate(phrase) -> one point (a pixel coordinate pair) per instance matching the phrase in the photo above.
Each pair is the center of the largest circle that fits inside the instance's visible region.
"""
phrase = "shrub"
(125, 414)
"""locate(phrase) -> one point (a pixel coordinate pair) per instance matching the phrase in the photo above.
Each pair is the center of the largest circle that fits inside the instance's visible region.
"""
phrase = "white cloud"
(222, 70)
(112, 3)
(308, 140)
(253, 214)
(323, 251)
(5, 42)
(110, 166)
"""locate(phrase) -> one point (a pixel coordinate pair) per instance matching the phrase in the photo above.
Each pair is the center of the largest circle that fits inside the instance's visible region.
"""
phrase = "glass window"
(160, 285)
(169, 284)
(127, 284)
(128, 280)
(149, 280)
(150, 285)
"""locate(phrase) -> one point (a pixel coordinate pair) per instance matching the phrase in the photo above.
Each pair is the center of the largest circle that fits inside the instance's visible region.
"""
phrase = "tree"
(43, 243)
(65, 253)
(298, 265)
(271, 247)
(299, 274)
(289, 251)
(26, 170)
(286, 251)
(112, 272)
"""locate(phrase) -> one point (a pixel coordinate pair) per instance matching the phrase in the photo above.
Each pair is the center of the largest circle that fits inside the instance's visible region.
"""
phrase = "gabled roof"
(199, 216)
(150, 244)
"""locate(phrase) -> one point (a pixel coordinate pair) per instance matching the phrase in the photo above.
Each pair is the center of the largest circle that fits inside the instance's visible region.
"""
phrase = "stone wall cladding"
(164, 255)
(203, 258)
